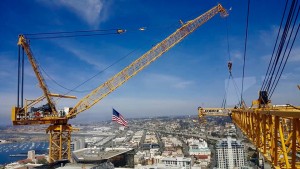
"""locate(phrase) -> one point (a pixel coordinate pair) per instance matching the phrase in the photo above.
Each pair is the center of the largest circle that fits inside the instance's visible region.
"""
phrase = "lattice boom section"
(276, 133)
(143, 61)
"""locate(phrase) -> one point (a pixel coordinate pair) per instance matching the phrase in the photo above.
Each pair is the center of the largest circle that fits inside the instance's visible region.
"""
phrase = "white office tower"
(31, 155)
(77, 143)
(230, 154)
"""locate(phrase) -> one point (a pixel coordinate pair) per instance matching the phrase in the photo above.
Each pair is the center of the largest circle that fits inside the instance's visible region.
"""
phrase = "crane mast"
(24, 43)
(60, 130)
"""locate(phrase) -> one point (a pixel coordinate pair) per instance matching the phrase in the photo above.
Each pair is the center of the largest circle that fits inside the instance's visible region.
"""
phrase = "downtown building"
(160, 162)
(230, 154)
(198, 149)
(78, 143)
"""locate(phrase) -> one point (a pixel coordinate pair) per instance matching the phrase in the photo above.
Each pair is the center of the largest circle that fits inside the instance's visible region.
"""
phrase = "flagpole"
(113, 126)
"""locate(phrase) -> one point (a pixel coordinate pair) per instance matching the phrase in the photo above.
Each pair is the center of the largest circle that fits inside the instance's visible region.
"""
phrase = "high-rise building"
(78, 143)
(230, 153)
(31, 155)
(81, 143)
(74, 145)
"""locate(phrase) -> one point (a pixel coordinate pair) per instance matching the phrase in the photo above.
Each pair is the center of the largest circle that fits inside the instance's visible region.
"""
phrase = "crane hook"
(229, 66)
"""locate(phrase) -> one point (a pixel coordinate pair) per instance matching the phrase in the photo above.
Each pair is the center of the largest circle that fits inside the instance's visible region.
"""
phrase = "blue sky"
(191, 74)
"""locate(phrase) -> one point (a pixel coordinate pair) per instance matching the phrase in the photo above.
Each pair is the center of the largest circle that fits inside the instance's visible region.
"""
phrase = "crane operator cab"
(37, 112)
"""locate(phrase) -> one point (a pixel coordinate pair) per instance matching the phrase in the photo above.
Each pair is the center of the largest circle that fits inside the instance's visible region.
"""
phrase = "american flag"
(116, 116)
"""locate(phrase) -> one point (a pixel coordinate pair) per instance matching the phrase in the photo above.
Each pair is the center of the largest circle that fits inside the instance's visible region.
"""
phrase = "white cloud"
(172, 81)
(91, 11)
(183, 84)
(236, 54)
(289, 76)
(268, 37)
(266, 58)
(295, 56)
(87, 57)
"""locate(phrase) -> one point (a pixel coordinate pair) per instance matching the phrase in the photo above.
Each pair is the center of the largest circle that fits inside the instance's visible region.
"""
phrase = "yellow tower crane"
(59, 129)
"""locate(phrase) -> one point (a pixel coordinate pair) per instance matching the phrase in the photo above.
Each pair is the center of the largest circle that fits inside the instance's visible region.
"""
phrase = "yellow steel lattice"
(274, 131)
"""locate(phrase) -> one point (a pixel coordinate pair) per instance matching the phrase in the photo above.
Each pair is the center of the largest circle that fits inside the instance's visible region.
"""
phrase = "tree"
(42, 161)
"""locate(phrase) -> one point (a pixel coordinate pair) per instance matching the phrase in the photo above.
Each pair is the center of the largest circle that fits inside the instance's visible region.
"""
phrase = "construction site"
(271, 127)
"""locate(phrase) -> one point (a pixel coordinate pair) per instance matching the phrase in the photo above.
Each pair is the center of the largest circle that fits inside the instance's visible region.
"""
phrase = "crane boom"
(23, 42)
(139, 64)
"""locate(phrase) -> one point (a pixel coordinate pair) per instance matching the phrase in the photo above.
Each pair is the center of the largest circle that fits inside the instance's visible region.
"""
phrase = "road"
(188, 135)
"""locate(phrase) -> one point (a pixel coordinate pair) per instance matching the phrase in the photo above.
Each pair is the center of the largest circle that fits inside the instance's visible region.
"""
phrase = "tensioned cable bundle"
(283, 49)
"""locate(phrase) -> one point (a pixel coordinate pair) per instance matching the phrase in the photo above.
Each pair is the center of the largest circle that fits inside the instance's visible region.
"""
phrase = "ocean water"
(20, 149)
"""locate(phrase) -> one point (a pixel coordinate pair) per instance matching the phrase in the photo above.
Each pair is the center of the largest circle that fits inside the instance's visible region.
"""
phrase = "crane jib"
(139, 64)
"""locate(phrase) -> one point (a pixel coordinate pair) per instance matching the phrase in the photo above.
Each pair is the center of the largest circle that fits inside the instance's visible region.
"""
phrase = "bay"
(19, 150)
